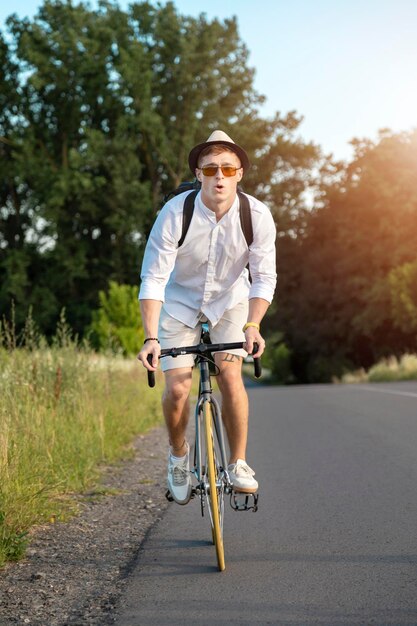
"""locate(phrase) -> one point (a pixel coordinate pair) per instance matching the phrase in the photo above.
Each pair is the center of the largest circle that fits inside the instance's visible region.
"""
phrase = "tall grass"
(64, 412)
(391, 369)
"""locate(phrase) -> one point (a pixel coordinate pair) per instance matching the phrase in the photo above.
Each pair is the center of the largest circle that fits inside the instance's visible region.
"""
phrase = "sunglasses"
(227, 170)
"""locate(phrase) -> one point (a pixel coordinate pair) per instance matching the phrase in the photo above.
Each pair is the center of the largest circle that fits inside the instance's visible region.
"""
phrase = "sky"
(348, 67)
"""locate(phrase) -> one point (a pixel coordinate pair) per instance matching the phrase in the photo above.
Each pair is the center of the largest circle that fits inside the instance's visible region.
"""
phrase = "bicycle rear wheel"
(215, 494)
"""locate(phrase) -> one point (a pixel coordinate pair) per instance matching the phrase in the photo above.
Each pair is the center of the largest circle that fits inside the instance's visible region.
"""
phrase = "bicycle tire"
(219, 464)
(213, 497)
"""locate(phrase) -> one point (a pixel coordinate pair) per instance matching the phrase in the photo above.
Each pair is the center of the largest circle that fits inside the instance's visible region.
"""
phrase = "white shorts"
(174, 334)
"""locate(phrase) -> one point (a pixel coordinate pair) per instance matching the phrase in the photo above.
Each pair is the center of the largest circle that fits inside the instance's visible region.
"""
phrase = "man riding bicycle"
(206, 279)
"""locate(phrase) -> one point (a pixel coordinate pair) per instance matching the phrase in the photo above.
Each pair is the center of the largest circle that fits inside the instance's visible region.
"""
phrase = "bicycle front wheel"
(215, 493)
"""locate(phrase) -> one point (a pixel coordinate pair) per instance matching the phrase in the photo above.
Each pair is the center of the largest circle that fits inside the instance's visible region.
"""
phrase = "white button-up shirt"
(207, 274)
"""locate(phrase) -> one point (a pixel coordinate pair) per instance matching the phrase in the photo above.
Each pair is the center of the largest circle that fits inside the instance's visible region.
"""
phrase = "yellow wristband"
(249, 324)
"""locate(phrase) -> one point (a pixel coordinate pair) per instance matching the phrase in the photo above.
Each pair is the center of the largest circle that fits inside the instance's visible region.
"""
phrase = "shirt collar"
(211, 214)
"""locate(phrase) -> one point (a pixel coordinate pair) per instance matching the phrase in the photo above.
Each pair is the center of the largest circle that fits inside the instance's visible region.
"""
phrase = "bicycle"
(210, 462)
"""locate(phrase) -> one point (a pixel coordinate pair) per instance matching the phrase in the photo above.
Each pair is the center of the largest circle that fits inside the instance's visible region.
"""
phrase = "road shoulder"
(76, 572)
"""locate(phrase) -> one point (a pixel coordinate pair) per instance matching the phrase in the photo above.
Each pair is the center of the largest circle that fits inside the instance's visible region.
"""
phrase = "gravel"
(75, 572)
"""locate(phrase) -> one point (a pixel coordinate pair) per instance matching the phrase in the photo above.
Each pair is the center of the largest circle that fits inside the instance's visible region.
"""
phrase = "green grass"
(65, 411)
(386, 370)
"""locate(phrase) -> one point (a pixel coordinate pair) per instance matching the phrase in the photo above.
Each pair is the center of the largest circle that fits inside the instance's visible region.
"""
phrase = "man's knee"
(230, 379)
(177, 385)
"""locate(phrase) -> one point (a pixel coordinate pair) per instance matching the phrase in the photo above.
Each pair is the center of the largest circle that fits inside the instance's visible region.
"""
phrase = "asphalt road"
(335, 538)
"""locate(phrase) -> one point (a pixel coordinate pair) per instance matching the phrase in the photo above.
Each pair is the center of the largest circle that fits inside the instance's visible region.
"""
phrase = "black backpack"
(244, 210)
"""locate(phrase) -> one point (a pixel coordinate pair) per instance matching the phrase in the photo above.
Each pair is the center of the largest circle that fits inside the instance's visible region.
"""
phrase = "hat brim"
(195, 153)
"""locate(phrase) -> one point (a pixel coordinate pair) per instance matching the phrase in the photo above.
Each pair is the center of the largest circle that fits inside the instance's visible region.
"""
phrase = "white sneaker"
(242, 477)
(179, 478)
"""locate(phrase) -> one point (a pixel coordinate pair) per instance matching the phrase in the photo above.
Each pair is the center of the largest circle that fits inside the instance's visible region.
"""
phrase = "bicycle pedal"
(168, 496)
(240, 501)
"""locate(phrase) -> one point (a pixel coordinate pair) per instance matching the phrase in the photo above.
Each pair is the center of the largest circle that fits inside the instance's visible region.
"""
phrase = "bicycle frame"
(206, 395)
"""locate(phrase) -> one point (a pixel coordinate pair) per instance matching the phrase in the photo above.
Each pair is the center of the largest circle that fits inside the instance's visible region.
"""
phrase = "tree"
(15, 218)
(78, 159)
(340, 277)
(403, 291)
(100, 109)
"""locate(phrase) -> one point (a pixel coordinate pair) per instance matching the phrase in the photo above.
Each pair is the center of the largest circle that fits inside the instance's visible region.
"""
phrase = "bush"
(277, 358)
(117, 324)
(393, 369)
(326, 369)
(390, 369)
(281, 364)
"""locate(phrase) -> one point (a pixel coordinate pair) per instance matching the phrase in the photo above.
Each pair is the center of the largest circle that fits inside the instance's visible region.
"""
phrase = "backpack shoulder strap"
(245, 217)
(187, 214)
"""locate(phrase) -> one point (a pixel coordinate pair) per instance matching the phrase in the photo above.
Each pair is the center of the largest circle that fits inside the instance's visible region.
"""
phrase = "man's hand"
(152, 348)
(252, 335)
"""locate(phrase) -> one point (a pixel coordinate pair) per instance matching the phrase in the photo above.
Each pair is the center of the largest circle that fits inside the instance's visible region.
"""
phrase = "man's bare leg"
(235, 405)
(176, 407)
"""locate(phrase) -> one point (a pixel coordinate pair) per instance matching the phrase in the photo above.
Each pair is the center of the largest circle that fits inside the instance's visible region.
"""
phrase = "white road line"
(391, 391)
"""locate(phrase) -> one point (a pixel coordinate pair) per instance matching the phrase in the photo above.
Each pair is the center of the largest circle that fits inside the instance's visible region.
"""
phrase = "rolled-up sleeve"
(262, 258)
(160, 254)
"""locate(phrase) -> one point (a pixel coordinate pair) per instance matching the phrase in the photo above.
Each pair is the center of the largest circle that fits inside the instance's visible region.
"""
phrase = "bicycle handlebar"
(202, 348)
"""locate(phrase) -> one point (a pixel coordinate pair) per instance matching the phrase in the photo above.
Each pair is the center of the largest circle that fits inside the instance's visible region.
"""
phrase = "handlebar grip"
(257, 365)
(151, 375)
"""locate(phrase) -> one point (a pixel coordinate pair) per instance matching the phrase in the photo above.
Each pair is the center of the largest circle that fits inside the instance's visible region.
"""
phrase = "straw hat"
(218, 137)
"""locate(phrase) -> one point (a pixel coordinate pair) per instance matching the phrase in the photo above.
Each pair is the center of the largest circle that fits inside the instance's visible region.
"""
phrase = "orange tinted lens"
(228, 170)
(209, 170)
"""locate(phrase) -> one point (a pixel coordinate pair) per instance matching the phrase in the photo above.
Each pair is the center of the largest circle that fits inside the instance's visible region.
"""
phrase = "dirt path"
(75, 572)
